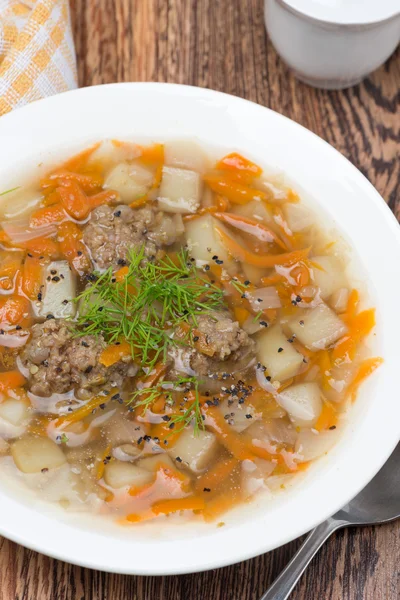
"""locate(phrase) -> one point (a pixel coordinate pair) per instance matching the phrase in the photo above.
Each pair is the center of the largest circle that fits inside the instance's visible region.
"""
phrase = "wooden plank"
(222, 44)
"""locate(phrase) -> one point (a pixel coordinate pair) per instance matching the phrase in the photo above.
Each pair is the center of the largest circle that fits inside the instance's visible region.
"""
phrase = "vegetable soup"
(176, 334)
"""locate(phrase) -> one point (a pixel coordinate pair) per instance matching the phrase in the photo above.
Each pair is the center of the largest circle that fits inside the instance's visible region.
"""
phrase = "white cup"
(333, 44)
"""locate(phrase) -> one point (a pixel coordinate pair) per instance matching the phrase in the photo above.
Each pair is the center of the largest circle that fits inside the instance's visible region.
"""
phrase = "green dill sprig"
(147, 306)
(188, 412)
(9, 191)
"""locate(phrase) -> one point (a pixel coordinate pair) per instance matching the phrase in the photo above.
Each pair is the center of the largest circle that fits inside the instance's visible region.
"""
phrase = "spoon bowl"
(378, 502)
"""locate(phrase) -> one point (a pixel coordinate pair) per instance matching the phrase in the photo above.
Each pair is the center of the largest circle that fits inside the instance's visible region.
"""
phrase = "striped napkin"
(37, 55)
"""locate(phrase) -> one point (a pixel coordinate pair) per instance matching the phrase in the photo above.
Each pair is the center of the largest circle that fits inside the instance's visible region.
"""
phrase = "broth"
(176, 335)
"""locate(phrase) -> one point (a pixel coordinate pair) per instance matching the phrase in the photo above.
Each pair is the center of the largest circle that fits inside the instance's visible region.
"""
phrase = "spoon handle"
(285, 582)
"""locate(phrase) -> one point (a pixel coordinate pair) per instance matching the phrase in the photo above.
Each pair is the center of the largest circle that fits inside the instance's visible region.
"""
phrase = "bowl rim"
(223, 545)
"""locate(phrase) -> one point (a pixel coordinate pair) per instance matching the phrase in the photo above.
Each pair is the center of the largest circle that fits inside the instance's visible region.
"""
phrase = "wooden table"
(222, 44)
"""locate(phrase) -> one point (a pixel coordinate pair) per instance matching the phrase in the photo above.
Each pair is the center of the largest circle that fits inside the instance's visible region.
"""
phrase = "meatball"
(113, 231)
(230, 348)
(223, 335)
(57, 362)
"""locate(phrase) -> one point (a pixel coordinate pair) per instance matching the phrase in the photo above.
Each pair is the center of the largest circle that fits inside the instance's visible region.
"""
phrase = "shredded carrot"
(366, 368)
(215, 507)
(74, 200)
(51, 198)
(164, 433)
(241, 314)
(104, 197)
(11, 380)
(359, 327)
(352, 305)
(202, 211)
(10, 263)
(14, 310)
(216, 474)
(239, 167)
(31, 277)
(327, 418)
(47, 215)
(139, 202)
(71, 247)
(293, 197)
(233, 190)
(250, 226)
(165, 507)
(301, 275)
(137, 517)
(140, 490)
(201, 344)
(87, 182)
(272, 279)
(154, 376)
(114, 352)
(152, 155)
(100, 465)
(269, 260)
(325, 366)
(84, 411)
(41, 246)
(121, 274)
(222, 203)
(228, 438)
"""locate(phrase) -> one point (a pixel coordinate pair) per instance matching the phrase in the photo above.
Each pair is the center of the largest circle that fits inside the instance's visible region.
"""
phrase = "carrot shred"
(100, 466)
(74, 200)
(83, 411)
(250, 226)
(47, 215)
(11, 380)
(14, 310)
(31, 277)
(87, 182)
(71, 247)
(41, 246)
(121, 274)
(165, 507)
(236, 192)
(241, 314)
(359, 327)
(327, 418)
(222, 203)
(189, 333)
(366, 368)
(228, 438)
(269, 260)
(139, 202)
(114, 352)
(10, 263)
(216, 474)
(239, 167)
(325, 366)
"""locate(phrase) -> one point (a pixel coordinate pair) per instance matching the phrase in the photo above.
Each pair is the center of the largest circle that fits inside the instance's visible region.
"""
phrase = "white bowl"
(53, 128)
(333, 44)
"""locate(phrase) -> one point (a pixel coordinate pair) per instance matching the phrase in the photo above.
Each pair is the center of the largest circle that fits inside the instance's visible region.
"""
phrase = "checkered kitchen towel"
(37, 56)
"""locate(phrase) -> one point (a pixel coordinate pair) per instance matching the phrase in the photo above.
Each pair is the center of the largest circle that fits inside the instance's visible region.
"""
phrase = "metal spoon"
(379, 502)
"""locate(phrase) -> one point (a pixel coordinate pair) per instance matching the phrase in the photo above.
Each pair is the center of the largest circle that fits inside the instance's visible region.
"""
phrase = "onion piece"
(312, 445)
(264, 298)
(14, 340)
(19, 231)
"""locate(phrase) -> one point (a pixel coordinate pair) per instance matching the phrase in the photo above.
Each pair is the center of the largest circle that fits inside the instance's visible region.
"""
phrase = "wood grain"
(221, 44)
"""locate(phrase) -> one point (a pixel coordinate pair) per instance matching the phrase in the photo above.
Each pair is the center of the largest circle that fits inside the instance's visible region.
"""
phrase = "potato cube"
(195, 450)
(277, 354)
(59, 291)
(119, 474)
(31, 454)
(302, 402)
(256, 209)
(180, 190)
(131, 181)
(330, 276)
(318, 327)
(204, 242)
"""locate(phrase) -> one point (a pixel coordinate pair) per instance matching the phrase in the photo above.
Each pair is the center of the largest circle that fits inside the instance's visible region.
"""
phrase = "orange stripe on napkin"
(37, 55)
